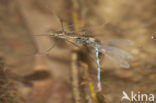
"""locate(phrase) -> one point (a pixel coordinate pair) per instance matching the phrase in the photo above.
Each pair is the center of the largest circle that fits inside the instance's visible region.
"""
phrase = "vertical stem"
(98, 70)
(90, 84)
(75, 81)
(75, 76)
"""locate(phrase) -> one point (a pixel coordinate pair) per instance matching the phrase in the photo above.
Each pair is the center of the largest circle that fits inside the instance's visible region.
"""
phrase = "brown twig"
(75, 78)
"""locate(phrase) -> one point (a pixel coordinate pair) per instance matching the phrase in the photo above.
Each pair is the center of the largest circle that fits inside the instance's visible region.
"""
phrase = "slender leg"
(62, 26)
(98, 70)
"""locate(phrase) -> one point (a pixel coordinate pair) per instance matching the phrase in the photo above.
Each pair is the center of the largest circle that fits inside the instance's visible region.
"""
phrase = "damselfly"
(117, 55)
(108, 48)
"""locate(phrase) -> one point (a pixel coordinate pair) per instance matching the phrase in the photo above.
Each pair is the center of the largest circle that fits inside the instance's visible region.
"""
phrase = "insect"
(108, 48)
(117, 55)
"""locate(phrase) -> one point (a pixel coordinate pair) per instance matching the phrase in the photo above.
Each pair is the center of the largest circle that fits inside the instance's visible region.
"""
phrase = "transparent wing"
(117, 55)
(117, 42)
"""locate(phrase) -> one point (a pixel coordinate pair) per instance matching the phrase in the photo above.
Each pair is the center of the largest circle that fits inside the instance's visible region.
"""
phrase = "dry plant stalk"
(75, 78)
(89, 83)
(74, 67)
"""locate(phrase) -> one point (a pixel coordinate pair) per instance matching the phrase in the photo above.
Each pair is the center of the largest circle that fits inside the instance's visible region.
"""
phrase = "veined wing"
(117, 55)
(117, 42)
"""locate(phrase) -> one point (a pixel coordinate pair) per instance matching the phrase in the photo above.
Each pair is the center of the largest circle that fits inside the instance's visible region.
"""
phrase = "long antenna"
(60, 20)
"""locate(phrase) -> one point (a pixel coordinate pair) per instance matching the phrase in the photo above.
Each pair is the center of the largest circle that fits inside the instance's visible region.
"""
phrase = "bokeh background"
(65, 74)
